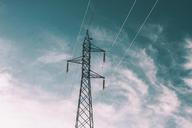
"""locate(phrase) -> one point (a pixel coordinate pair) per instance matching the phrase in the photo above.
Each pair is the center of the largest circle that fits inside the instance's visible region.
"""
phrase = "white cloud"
(188, 110)
(131, 79)
(137, 110)
(188, 65)
(35, 108)
(5, 46)
(106, 35)
(146, 63)
(183, 122)
(102, 34)
(134, 90)
(56, 41)
(106, 116)
(53, 57)
(59, 51)
(167, 103)
(32, 108)
(152, 31)
(5, 79)
(189, 43)
(188, 81)
(7, 49)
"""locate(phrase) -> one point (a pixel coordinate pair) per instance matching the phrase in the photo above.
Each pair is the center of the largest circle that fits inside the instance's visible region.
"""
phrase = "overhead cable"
(139, 30)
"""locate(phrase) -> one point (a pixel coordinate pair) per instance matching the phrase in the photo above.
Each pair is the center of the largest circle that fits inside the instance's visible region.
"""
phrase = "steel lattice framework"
(84, 117)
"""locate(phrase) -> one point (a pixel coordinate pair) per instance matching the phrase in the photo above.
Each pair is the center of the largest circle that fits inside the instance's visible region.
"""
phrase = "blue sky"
(152, 87)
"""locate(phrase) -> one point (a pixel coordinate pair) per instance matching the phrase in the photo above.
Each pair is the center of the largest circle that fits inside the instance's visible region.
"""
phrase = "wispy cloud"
(53, 57)
(188, 81)
(188, 65)
(7, 48)
(32, 107)
(102, 34)
(59, 52)
(167, 103)
(152, 32)
(146, 63)
(182, 122)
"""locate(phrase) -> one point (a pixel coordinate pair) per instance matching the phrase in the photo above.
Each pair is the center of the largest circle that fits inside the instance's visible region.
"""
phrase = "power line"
(139, 30)
(86, 11)
(81, 26)
(91, 17)
(121, 28)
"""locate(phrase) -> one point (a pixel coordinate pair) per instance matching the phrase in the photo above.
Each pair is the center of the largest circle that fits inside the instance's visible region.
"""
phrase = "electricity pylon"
(84, 117)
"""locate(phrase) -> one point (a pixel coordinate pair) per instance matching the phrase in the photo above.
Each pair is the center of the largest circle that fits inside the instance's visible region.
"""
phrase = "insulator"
(103, 56)
(103, 84)
(67, 66)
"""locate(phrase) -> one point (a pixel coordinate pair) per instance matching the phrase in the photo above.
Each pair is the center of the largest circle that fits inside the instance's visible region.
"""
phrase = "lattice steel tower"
(84, 117)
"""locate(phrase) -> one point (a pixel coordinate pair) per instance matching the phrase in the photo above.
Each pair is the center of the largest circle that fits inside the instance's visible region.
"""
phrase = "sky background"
(152, 87)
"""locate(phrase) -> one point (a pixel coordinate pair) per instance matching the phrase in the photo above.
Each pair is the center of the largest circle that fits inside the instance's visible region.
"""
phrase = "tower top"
(87, 35)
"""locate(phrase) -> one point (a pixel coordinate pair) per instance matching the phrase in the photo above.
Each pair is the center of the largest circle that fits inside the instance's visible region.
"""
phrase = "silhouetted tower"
(84, 117)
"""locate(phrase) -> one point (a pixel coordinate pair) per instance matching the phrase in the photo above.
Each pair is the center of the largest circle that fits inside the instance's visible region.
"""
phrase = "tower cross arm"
(97, 49)
(96, 75)
(94, 48)
(77, 60)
